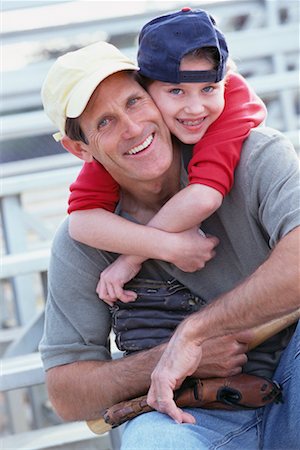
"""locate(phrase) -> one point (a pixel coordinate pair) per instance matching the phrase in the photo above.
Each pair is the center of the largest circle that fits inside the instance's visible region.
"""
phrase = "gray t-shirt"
(262, 207)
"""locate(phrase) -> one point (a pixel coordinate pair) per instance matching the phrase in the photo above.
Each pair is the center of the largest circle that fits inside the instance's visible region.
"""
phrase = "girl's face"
(189, 108)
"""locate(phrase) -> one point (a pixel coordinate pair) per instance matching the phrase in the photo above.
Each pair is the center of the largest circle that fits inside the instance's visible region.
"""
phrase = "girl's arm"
(211, 173)
(217, 154)
(93, 198)
(93, 188)
(113, 233)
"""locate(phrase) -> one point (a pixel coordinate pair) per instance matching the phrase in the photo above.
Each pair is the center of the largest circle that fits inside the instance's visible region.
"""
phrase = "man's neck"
(148, 197)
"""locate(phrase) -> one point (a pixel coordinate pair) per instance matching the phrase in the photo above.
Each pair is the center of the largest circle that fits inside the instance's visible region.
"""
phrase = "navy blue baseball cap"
(165, 40)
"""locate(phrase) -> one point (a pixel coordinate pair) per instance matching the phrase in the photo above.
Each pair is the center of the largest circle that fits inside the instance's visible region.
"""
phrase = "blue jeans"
(281, 422)
(275, 427)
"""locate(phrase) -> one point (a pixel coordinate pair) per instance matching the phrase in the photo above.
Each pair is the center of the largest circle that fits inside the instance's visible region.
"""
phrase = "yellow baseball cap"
(73, 78)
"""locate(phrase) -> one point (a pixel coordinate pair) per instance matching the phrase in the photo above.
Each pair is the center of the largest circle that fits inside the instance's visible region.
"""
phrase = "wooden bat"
(261, 334)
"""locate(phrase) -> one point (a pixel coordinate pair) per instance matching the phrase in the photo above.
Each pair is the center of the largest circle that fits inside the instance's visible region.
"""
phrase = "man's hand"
(217, 357)
(224, 356)
(169, 374)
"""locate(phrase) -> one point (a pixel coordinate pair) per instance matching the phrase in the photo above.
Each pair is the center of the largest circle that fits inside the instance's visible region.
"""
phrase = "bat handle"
(267, 330)
(123, 411)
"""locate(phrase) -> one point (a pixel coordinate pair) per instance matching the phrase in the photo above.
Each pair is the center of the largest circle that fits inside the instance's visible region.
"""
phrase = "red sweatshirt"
(214, 159)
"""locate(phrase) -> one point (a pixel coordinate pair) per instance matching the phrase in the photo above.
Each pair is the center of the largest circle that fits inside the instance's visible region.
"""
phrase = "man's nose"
(131, 127)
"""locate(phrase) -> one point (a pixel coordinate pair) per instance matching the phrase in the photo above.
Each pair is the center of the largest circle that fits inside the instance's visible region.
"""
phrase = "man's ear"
(77, 148)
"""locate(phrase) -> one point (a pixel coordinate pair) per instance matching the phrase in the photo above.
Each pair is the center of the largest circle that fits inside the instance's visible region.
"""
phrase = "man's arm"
(81, 379)
(82, 390)
(270, 292)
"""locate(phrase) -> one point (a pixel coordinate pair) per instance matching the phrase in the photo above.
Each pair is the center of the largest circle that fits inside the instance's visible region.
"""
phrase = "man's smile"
(142, 146)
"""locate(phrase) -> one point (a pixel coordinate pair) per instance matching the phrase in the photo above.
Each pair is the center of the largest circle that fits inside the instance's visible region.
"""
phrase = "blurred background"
(263, 38)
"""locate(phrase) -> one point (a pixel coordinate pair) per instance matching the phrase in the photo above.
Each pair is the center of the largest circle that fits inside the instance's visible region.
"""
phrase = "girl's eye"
(176, 91)
(208, 89)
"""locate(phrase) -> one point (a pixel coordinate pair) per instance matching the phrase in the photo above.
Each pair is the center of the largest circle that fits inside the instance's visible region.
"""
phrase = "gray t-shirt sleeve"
(273, 183)
(78, 322)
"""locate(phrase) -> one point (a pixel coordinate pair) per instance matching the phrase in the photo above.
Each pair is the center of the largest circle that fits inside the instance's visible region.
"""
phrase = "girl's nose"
(194, 107)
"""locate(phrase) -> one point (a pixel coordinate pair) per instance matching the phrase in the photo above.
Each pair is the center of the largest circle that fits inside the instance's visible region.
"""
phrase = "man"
(250, 284)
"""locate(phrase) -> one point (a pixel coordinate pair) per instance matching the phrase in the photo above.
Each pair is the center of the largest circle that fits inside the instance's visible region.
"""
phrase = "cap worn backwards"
(73, 78)
(166, 39)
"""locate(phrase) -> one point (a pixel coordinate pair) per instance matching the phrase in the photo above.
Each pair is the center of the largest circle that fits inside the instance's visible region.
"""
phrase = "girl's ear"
(77, 148)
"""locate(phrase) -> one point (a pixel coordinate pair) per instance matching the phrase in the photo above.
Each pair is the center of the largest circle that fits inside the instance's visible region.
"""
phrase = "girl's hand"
(112, 279)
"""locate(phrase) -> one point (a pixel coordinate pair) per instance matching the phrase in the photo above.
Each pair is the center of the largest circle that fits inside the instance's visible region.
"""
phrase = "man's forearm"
(271, 291)
(81, 390)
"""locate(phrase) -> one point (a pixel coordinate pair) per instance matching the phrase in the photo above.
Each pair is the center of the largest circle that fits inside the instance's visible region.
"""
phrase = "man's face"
(125, 130)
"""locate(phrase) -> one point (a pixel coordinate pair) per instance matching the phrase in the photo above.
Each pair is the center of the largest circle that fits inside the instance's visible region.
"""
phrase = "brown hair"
(211, 54)
(73, 130)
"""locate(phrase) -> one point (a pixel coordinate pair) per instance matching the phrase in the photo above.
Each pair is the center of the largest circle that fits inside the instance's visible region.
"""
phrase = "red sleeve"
(93, 188)
(217, 154)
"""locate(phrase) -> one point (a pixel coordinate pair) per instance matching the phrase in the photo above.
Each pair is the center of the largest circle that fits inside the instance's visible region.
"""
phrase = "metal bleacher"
(263, 37)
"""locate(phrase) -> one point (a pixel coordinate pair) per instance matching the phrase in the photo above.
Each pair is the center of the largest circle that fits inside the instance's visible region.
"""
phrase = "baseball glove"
(152, 318)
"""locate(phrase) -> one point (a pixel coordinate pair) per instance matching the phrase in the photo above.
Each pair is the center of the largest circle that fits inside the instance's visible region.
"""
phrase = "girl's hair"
(210, 54)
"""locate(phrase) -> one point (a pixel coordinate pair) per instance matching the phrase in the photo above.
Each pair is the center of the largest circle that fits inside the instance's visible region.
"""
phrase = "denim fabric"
(239, 430)
(281, 422)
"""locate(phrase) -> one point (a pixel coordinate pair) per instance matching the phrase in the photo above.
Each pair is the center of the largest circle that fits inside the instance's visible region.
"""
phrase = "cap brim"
(83, 91)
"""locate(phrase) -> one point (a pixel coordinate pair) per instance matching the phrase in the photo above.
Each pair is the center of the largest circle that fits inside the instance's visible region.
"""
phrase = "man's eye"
(132, 101)
(103, 122)
(208, 89)
(176, 91)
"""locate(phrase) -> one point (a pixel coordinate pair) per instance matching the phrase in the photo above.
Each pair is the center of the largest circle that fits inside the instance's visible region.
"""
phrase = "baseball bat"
(261, 334)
